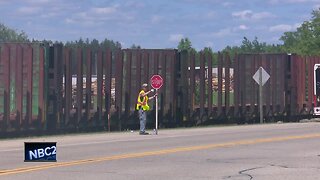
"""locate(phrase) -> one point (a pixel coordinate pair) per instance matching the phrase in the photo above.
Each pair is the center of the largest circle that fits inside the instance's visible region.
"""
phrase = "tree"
(134, 46)
(9, 35)
(185, 44)
(231, 50)
(208, 51)
(254, 46)
(94, 44)
(80, 43)
(246, 45)
(106, 43)
(306, 39)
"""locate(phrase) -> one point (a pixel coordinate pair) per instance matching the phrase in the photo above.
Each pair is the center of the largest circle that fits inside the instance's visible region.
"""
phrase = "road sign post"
(261, 77)
(260, 95)
(156, 83)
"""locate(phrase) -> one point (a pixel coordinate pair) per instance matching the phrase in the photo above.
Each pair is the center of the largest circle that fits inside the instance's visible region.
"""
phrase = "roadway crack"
(282, 166)
(287, 167)
(244, 172)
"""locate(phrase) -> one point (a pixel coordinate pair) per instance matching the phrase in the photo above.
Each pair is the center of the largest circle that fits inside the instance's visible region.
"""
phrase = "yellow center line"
(154, 153)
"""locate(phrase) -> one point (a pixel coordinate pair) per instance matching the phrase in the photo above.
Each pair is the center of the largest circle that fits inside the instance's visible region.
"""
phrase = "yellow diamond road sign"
(265, 76)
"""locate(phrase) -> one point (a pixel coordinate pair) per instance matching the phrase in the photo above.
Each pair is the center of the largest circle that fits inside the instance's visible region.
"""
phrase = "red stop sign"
(156, 81)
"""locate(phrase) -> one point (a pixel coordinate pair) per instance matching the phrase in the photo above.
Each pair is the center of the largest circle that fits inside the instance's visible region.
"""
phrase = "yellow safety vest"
(142, 102)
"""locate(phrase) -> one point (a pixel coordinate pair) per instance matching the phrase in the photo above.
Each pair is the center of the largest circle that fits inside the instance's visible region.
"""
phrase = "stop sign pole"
(156, 83)
(261, 77)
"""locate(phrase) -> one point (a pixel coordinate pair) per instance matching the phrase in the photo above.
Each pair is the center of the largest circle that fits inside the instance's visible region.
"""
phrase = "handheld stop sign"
(156, 83)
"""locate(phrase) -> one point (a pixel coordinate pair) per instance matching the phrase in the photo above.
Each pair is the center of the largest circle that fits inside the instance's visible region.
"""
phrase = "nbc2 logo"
(42, 152)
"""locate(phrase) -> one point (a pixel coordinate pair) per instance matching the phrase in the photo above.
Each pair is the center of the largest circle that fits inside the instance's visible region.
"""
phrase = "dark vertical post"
(273, 82)
(134, 69)
(174, 64)
(119, 76)
(183, 85)
(51, 94)
(12, 84)
(267, 90)
(309, 80)
(64, 89)
(2, 91)
(192, 83)
(79, 85)
(121, 87)
(35, 50)
(88, 84)
(236, 84)
(243, 81)
(163, 88)
(254, 87)
(289, 102)
(128, 92)
(42, 90)
(5, 61)
(142, 59)
(108, 80)
(294, 79)
(312, 97)
(282, 71)
(58, 81)
(202, 84)
(299, 81)
(210, 88)
(138, 58)
(297, 63)
(18, 60)
(227, 82)
(99, 87)
(220, 59)
(68, 84)
(28, 57)
(54, 82)
(302, 84)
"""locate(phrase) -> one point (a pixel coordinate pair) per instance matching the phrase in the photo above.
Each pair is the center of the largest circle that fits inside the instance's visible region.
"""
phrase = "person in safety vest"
(143, 107)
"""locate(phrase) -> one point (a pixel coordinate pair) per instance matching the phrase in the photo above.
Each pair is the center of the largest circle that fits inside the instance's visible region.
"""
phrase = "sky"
(157, 23)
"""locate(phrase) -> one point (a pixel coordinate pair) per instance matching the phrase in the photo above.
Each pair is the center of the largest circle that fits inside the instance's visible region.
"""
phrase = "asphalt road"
(273, 151)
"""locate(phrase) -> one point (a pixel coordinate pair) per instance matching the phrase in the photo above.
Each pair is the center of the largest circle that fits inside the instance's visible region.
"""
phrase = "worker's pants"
(143, 120)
